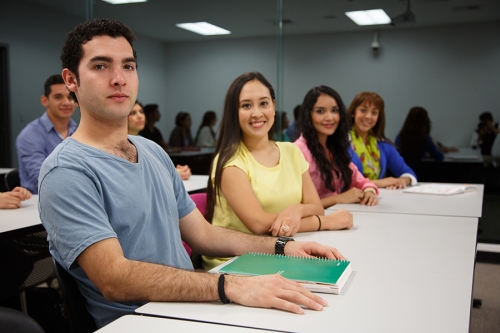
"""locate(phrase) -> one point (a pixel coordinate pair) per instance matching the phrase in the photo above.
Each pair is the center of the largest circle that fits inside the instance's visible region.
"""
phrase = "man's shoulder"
(33, 128)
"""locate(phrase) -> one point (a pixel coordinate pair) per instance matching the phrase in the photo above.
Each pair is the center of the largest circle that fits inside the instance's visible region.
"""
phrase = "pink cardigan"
(358, 180)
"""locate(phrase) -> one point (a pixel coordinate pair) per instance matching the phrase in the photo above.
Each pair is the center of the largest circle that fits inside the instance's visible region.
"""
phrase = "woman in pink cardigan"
(324, 142)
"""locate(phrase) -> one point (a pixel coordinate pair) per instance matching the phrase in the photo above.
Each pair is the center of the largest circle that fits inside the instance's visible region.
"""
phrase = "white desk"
(464, 155)
(4, 171)
(395, 201)
(23, 217)
(186, 153)
(134, 324)
(195, 182)
(412, 273)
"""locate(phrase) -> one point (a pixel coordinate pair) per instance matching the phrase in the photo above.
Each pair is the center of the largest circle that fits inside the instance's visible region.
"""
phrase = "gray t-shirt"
(88, 195)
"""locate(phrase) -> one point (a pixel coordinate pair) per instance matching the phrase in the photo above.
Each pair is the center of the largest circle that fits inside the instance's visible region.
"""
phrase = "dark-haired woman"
(181, 134)
(414, 140)
(258, 185)
(205, 137)
(324, 142)
(370, 150)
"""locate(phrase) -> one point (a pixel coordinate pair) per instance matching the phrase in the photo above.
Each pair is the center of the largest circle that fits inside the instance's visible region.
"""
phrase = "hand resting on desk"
(12, 199)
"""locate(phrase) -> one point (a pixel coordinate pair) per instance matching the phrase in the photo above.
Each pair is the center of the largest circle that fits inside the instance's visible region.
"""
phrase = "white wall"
(452, 71)
(35, 36)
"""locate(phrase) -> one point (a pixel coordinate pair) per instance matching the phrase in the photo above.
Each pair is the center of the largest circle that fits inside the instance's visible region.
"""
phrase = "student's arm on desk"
(12, 199)
(298, 217)
(123, 280)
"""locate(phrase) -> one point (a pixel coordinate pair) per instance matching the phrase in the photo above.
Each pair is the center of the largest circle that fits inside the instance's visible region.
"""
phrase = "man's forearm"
(141, 281)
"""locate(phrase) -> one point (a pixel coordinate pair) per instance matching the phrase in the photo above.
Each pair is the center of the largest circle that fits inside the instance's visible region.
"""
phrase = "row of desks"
(413, 259)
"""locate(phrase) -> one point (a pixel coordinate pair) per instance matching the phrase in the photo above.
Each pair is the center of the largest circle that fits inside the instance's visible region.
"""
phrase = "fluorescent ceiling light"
(203, 28)
(119, 2)
(369, 17)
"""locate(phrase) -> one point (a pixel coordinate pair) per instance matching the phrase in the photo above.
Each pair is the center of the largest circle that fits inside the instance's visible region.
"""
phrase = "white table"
(134, 324)
(195, 182)
(395, 201)
(24, 217)
(412, 273)
(464, 155)
(187, 153)
(4, 171)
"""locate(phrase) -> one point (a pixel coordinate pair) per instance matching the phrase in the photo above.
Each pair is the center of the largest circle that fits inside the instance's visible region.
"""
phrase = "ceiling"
(256, 18)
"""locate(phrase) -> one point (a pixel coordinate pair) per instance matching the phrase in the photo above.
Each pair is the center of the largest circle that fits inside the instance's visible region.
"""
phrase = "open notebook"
(316, 274)
(440, 189)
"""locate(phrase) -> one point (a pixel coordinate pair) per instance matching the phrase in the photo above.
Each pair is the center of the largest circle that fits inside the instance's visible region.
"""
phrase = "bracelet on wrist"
(220, 289)
(319, 228)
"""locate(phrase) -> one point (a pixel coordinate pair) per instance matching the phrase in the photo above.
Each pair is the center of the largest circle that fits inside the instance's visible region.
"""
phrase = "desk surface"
(463, 155)
(4, 171)
(202, 151)
(24, 217)
(412, 273)
(395, 201)
(195, 183)
(134, 324)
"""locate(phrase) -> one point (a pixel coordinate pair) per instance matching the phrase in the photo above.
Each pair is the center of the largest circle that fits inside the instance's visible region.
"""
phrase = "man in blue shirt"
(39, 138)
(115, 209)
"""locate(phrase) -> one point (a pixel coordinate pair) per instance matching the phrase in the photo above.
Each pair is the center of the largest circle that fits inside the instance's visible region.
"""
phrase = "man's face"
(59, 103)
(108, 81)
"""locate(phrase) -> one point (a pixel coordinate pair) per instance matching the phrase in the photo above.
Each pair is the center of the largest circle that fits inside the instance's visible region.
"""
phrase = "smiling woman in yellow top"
(258, 185)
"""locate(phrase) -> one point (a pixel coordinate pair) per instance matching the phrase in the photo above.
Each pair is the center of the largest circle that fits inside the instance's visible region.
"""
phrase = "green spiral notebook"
(316, 274)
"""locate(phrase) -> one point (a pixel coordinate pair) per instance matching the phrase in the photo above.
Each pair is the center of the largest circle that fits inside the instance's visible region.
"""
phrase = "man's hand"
(312, 249)
(24, 193)
(271, 291)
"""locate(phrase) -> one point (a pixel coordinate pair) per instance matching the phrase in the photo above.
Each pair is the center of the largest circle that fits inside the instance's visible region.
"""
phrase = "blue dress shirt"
(35, 142)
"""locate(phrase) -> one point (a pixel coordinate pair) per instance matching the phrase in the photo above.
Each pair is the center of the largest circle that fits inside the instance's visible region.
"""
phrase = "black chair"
(80, 319)
(15, 321)
(12, 180)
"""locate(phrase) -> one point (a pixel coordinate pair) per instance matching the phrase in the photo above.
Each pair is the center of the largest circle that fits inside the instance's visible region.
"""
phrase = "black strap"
(220, 288)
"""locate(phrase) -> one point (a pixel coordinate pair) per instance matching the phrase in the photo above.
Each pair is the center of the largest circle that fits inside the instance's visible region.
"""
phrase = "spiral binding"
(296, 257)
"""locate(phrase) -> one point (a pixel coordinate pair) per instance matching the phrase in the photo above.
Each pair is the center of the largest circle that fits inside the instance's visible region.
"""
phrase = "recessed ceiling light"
(369, 17)
(203, 28)
(119, 2)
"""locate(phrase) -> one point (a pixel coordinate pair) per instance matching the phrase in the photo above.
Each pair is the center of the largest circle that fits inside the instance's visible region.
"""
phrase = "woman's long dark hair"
(337, 143)
(416, 128)
(230, 134)
(208, 118)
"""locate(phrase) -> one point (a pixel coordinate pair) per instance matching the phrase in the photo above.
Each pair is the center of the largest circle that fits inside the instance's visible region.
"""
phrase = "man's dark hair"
(54, 79)
(72, 52)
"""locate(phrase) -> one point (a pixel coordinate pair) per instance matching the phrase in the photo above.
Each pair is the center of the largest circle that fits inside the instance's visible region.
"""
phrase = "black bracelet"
(220, 288)
(319, 228)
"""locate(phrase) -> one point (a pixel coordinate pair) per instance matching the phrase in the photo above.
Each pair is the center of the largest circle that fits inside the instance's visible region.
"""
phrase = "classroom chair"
(80, 320)
(200, 200)
(12, 179)
(15, 321)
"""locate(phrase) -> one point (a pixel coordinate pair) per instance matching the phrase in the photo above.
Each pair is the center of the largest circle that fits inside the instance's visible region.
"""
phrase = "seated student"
(414, 140)
(39, 138)
(370, 150)
(149, 131)
(257, 185)
(205, 136)
(181, 134)
(284, 126)
(485, 133)
(324, 142)
(12, 199)
(118, 222)
(291, 131)
(135, 124)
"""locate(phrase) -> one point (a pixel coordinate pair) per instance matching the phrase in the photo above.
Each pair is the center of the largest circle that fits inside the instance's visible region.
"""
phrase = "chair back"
(200, 200)
(80, 320)
(12, 180)
(15, 321)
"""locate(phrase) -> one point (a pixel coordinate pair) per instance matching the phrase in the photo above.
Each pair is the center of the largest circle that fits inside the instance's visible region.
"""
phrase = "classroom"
(446, 62)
